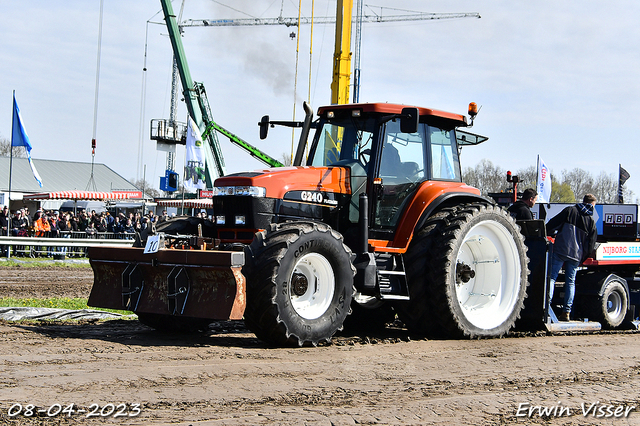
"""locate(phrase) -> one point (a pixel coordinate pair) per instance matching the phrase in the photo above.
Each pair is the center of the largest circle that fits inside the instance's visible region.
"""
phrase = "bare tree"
(486, 177)
(5, 149)
(528, 177)
(145, 187)
(605, 188)
(580, 181)
(285, 159)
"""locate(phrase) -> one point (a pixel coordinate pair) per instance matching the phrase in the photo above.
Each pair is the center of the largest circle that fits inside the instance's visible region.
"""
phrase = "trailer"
(607, 284)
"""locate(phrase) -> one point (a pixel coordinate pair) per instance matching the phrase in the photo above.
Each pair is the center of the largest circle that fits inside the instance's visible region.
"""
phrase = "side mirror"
(409, 120)
(264, 126)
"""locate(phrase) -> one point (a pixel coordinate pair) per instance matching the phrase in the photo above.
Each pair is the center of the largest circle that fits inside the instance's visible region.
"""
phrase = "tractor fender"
(446, 200)
(594, 283)
(431, 196)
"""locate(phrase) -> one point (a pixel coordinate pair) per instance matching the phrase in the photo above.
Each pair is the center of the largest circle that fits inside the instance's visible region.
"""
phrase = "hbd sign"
(618, 219)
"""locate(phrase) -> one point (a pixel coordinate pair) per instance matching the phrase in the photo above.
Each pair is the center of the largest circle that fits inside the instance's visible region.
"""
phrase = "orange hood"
(278, 181)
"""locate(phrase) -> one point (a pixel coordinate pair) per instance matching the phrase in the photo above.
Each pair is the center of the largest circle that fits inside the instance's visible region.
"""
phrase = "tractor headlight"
(247, 191)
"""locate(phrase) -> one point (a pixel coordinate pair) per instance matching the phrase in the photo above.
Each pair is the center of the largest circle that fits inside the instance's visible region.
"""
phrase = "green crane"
(198, 107)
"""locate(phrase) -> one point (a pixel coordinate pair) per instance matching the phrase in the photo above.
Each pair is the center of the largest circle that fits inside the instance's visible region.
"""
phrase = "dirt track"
(228, 377)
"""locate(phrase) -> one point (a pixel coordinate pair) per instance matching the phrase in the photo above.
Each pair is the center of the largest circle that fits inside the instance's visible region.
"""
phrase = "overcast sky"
(557, 79)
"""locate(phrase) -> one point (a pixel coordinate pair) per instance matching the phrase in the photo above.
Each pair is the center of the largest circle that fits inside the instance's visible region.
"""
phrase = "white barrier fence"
(43, 246)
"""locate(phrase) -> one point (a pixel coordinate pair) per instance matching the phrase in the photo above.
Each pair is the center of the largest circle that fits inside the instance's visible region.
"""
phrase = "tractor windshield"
(343, 140)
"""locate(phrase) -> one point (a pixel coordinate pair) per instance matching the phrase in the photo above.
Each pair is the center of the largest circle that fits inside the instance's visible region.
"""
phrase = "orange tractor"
(377, 222)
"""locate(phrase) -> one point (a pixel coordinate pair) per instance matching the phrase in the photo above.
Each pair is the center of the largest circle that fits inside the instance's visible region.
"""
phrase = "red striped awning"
(77, 195)
(198, 203)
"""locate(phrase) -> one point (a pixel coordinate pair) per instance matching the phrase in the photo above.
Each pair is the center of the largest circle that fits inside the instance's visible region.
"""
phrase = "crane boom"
(250, 149)
(293, 22)
(342, 53)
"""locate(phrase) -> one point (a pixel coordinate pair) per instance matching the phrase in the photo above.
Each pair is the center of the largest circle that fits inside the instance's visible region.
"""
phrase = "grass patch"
(43, 263)
(54, 302)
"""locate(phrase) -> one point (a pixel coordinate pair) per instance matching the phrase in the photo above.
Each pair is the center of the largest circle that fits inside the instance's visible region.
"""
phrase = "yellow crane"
(342, 54)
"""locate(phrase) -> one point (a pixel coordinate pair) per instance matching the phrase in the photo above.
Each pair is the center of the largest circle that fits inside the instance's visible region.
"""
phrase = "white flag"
(194, 177)
(544, 182)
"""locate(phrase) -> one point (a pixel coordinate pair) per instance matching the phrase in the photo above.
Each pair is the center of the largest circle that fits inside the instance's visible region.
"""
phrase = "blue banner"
(19, 137)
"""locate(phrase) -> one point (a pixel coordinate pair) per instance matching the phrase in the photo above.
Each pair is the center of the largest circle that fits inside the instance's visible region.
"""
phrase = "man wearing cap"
(17, 223)
(53, 224)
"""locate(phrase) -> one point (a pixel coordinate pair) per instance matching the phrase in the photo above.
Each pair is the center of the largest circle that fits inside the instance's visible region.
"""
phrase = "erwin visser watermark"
(586, 409)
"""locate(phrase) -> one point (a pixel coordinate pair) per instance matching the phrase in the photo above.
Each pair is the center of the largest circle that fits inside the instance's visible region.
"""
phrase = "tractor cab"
(390, 151)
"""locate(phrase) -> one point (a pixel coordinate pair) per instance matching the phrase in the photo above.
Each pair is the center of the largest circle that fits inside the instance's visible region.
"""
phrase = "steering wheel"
(410, 176)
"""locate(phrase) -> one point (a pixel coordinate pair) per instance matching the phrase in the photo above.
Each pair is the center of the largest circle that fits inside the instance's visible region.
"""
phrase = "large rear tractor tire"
(299, 284)
(467, 274)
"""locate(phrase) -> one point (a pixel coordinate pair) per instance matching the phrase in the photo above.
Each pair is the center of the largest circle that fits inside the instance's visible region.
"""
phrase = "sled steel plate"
(217, 287)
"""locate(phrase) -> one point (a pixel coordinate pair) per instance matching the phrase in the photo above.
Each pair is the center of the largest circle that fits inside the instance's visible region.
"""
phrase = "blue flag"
(19, 137)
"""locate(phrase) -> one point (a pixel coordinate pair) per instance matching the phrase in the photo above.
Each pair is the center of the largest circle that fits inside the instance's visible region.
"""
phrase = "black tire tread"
(265, 252)
(430, 261)
(596, 306)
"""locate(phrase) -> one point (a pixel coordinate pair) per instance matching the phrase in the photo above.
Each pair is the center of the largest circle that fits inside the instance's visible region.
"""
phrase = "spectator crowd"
(55, 224)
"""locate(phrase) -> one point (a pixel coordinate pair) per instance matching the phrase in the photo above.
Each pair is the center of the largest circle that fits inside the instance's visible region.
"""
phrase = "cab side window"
(403, 155)
(444, 155)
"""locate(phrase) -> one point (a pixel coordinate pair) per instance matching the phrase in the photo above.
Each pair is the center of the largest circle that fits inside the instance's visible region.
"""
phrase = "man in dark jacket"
(521, 209)
(574, 242)
(5, 217)
(17, 223)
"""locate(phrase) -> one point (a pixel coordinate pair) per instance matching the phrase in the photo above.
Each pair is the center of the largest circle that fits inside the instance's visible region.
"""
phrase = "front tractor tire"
(299, 284)
(467, 275)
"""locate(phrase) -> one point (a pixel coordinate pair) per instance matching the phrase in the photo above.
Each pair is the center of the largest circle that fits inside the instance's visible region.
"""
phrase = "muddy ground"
(228, 377)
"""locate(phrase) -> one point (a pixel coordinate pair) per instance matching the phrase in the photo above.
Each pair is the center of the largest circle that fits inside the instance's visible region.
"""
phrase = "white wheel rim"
(321, 285)
(614, 305)
(488, 299)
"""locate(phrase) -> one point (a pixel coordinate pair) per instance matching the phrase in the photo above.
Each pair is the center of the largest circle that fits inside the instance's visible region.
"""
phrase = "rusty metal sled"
(173, 283)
